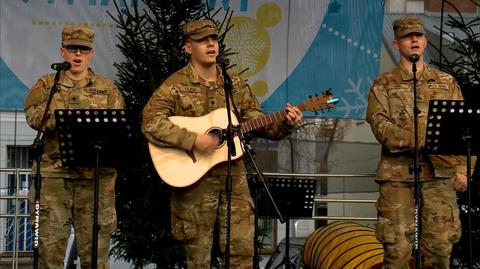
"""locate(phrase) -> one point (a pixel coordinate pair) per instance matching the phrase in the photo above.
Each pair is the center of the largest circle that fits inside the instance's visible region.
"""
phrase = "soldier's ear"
(187, 47)
(395, 44)
(62, 52)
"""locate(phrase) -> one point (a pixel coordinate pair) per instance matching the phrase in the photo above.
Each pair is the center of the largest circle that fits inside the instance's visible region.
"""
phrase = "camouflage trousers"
(440, 223)
(66, 203)
(196, 212)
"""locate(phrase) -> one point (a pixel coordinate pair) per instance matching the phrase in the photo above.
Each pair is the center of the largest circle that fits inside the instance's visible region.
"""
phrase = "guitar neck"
(264, 120)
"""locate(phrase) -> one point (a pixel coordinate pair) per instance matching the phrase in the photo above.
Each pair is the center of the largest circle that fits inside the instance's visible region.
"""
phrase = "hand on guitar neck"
(294, 115)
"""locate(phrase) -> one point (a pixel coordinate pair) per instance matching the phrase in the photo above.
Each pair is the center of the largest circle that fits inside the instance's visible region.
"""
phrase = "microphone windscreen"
(414, 58)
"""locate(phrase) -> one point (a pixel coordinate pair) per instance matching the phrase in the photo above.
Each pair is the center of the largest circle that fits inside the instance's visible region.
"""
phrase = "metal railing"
(19, 194)
(12, 198)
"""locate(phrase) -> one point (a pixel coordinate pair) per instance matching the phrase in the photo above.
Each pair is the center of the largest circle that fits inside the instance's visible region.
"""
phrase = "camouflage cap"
(199, 29)
(77, 35)
(407, 25)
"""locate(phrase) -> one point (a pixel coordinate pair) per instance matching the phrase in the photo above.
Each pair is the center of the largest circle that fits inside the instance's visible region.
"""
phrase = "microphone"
(414, 58)
(61, 66)
(223, 61)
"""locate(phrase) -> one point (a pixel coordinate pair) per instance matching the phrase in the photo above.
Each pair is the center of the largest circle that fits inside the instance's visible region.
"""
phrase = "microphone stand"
(468, 138)
(416, 167)
(37, 149)
(231, 152)
(228, 135)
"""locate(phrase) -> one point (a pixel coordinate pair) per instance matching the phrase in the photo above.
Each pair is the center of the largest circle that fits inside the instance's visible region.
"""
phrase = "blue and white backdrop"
(292, 48)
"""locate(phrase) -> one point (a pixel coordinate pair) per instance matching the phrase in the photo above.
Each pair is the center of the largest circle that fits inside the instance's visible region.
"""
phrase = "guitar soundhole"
(216, 132)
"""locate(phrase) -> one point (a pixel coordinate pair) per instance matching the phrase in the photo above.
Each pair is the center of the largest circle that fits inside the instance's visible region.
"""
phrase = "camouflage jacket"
(93, 92)
(184, 93)
(390, 114)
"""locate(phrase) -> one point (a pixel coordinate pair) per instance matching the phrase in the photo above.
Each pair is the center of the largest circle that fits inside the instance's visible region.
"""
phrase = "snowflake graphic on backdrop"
(354, 100)
(251, 44)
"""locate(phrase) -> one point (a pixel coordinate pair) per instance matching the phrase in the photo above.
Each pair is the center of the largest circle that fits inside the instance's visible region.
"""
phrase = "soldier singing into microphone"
(390, 114)
(67, 195)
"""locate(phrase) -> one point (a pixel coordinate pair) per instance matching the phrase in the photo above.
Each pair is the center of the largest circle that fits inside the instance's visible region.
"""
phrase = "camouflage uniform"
(196, 210)
(390, 113)
(67, 196)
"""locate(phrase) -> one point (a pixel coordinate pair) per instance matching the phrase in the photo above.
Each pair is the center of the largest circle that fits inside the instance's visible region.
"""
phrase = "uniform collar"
(426, 74)
(196, 79)
(69, 83)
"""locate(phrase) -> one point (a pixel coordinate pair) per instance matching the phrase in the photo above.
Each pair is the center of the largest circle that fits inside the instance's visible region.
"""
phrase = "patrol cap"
(77, 35)
(407, 25)
(199, 29)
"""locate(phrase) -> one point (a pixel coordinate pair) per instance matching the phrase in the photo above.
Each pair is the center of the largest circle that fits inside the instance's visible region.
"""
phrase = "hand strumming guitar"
(206, 143)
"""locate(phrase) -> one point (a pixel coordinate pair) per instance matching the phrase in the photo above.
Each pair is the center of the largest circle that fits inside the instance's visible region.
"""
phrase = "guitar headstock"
(322, 102)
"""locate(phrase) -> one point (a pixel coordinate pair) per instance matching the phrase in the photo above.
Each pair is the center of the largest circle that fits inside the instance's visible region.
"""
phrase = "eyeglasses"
(75, 48)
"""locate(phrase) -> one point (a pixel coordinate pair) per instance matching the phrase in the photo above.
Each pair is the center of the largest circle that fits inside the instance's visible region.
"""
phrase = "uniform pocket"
(385, 231)
(184, 227)
(456, 230)
(108, 219)
(400, 103)
(189, 101)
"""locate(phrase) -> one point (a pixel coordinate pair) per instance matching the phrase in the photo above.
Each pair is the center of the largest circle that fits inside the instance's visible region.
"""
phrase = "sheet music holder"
(95, 138)
(80, 130)
(447, 121)
(452, 126)
(294, 198)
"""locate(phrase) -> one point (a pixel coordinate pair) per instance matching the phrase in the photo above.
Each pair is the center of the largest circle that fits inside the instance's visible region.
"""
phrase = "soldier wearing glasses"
(67, 195)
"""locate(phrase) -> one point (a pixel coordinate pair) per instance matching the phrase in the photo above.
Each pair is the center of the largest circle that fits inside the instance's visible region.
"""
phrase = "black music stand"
(88, 137)
(295, 200)
(452, 126)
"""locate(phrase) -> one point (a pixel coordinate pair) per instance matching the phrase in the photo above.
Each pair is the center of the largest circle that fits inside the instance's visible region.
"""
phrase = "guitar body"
(179, 168)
